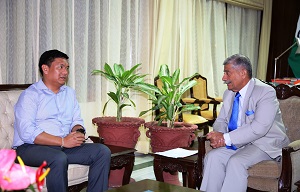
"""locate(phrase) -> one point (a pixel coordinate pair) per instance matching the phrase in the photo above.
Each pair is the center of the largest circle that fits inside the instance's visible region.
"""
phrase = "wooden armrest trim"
(96, 139)
(285, 178)
(188, 100)
(295, 145)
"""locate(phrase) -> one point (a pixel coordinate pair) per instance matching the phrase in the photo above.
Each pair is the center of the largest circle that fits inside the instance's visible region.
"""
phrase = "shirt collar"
(41, 85)
(243, 91)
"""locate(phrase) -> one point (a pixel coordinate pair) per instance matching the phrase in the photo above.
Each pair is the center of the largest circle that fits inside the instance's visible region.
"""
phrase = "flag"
(294, 57)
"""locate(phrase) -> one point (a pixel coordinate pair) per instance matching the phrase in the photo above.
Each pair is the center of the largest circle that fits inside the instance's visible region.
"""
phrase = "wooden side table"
(122, 157)
(298, 185)
(187, 165)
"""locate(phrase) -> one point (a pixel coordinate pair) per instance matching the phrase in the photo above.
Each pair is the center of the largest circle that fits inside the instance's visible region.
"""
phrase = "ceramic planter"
(125, 133)
(164, 138)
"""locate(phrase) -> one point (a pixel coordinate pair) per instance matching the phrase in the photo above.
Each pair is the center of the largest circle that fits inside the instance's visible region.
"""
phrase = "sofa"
(271, 175)
(9, 94)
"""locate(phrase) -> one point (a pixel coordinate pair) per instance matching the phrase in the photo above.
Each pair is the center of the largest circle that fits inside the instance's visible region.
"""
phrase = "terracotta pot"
(125, 133)
(164, 138)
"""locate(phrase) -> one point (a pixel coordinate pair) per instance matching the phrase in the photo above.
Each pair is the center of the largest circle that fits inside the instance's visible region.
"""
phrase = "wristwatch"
(81, 130)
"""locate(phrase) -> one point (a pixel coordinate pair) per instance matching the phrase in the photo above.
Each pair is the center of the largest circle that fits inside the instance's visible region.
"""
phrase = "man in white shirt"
(48, 127)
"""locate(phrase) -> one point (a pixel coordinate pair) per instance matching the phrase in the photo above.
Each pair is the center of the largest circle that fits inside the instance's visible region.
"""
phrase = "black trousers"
(96, 155)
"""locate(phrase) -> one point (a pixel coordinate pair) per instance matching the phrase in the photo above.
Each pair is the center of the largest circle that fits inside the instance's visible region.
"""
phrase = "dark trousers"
(96, 155)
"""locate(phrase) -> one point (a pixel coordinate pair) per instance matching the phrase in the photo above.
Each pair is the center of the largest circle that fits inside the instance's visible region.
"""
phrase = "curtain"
(193, 35)
(243, 32)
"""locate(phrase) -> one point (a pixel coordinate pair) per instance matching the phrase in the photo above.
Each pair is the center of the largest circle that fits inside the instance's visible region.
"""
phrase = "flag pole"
(275, 66)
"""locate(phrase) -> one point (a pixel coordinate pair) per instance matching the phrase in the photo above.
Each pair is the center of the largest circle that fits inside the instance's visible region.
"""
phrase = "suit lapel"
(246, 100)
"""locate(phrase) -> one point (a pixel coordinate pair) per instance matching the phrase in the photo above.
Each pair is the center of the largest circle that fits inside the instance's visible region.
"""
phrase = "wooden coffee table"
(151, 186)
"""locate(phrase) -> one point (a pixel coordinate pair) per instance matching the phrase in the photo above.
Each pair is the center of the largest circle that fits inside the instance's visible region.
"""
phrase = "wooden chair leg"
(205, 129)
(184, 176)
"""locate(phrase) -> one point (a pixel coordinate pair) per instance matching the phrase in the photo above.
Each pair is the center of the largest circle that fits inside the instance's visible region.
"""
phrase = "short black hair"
(48, 57)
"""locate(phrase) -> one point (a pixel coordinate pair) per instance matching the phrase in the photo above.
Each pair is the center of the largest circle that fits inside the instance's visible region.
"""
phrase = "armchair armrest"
(211, 101)
(192, 100)
(96, 139)
(295, 145)
(290, 161)
(203, 148)
(220, 99)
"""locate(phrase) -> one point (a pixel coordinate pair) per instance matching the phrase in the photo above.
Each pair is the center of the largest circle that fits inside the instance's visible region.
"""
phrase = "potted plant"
(119, 130)
(165, 133)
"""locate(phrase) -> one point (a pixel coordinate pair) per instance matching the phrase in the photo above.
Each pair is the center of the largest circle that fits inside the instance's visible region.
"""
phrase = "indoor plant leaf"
(168, 99)
(124, 81)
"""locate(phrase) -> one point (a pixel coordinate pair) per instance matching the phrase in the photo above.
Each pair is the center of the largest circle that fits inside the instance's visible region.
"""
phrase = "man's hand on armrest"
(76, 127)
(216, 139)
(74, 139)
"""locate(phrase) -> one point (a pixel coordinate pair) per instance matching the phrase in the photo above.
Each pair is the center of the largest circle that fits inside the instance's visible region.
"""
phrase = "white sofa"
(9, 94)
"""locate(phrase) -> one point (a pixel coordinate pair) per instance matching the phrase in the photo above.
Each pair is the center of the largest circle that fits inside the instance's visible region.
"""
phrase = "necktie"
(234, 117)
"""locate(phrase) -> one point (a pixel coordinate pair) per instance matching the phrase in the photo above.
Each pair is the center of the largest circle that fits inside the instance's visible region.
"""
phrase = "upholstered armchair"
(199, 96)
(271, 175)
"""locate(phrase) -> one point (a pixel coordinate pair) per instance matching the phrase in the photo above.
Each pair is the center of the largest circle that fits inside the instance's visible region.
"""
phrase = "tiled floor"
(143, 167)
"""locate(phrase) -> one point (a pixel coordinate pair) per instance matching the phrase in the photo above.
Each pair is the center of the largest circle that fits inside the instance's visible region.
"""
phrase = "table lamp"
(297, 52)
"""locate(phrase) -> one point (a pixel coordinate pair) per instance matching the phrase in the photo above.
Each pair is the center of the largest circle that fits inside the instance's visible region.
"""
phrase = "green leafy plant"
(168, 98)
(125, 81)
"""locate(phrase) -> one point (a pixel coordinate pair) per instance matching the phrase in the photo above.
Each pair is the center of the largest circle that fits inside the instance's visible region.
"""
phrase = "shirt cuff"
(227, 139)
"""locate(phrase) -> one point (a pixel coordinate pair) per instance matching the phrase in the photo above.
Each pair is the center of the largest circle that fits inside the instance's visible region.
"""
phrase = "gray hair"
(239, 60)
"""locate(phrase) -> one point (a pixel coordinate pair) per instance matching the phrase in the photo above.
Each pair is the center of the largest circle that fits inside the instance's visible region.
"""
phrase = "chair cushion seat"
(208, 114)
(266, 169)
(266, 184)
(193, 119)
(77, 174)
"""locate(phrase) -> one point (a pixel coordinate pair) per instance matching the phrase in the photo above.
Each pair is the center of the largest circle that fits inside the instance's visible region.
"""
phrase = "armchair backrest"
(9, 95)
(200, 90)
(289, 103)
(157, 82)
